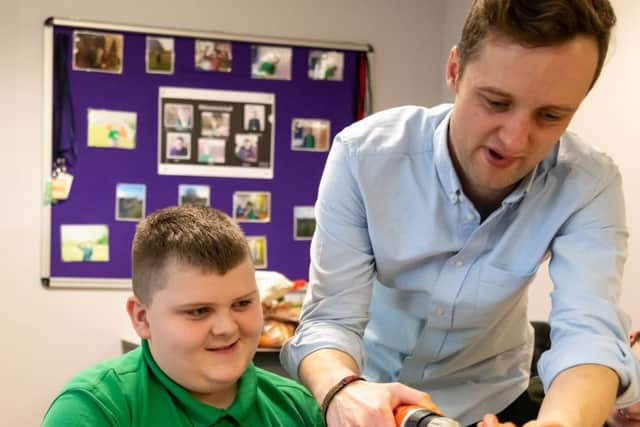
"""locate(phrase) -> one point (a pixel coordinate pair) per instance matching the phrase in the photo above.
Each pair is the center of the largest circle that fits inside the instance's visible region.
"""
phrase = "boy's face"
(203, 329)
(512, 103)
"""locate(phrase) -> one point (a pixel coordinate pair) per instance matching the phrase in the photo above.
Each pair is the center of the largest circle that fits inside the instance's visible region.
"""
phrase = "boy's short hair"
(536, 23)
(194, 235)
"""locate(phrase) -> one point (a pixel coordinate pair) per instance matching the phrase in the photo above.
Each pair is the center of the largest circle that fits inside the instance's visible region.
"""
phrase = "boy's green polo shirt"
(133, 391)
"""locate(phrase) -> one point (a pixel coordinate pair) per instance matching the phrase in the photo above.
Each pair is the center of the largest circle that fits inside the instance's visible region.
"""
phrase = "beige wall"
(49, 335)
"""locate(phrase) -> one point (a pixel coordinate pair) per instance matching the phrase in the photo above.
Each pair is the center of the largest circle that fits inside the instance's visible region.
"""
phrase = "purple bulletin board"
(98, 170)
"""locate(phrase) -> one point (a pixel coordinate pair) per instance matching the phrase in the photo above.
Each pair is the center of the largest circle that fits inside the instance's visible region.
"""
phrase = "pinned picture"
(304, 222)
(215, 123)
(178, 116)
(130, 202)
(326, 65)
(111, 129)
(310, 134)
(211, 150)
(253, 117)
(84, 243)
(270, 62)
(213, 55)
(160, 55)
(194, 194)
(258, 250)
(251, 206)
(178, 145)
(94, 51)
(246, 148)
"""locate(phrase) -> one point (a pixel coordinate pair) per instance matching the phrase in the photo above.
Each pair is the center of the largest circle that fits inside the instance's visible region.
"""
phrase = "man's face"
(512, 103)
(203, 329)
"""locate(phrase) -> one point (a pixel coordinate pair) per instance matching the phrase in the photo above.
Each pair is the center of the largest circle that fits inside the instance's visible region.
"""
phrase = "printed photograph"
(178, 116)
(215, 123)
(246, 148)
(270, 62)
(194, 194)
(258, 250)
(213, 55)
(252, 206)
(84, 243)
(304, 222)
(326, 65)
(94, 51)
(310, 134)
(111, 129)
(160, 55)
(211, 150)
(178, 145)
(253, 118)
(130, 201)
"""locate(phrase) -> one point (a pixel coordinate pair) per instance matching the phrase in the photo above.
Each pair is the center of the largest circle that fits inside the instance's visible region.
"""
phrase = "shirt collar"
(198, 411)
(449, 178)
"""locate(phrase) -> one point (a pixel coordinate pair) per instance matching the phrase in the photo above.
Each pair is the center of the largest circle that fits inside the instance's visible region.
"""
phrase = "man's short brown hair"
(537, 23)
(192, 235)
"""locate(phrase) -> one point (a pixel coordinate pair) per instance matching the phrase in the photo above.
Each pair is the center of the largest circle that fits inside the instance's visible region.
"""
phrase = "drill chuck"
(417, 416)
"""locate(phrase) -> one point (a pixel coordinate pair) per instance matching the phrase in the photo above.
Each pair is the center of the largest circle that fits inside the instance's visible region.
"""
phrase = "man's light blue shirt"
(407, 279)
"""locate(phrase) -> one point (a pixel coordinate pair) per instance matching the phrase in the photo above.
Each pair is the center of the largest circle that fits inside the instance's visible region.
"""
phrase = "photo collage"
(202, 132)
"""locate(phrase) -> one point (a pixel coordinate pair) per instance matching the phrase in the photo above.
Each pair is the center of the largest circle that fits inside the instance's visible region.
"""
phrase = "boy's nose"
(223, 324)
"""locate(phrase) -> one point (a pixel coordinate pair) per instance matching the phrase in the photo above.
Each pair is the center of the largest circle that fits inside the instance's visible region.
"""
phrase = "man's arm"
(328, 343)
(597, 385)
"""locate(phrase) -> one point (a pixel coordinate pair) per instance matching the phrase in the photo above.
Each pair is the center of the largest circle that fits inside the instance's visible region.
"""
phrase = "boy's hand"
(491, 420)
(365, 404)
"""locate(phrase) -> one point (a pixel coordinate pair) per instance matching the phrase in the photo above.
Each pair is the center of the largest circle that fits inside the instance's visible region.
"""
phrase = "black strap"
(64, 126)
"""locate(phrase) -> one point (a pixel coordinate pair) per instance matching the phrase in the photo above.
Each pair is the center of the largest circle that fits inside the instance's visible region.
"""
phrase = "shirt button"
(459, 263)
(440, 311)
(470, 217)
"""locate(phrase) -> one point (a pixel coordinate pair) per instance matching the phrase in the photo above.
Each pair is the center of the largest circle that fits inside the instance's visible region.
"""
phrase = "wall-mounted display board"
(140, 118)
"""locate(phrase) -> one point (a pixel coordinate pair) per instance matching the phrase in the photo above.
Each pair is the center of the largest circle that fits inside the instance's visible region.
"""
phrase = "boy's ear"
(453, 70)
(138, 315)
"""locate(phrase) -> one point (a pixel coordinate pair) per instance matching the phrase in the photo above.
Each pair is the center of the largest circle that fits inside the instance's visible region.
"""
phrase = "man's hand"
(626, 417)
(365, 404)
(491, 420)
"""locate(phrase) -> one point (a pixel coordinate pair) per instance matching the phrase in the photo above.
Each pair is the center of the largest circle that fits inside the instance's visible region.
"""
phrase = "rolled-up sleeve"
(342, 269)
(588, 255)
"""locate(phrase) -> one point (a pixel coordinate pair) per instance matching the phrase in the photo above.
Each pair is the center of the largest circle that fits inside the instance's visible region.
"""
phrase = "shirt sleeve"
(77, 408)
(588, 255)
(342, 269)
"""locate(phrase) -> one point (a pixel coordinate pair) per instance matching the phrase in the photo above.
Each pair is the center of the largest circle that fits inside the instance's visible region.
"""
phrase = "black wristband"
(334, 390)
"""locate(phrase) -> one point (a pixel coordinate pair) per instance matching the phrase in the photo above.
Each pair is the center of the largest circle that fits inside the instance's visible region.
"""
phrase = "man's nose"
(515, 132)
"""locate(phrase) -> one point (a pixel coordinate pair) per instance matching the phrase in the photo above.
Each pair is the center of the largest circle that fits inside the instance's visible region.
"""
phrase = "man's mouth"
(497, 159)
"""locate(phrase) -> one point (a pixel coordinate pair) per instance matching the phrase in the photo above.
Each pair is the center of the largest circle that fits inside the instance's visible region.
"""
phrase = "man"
(431, 223)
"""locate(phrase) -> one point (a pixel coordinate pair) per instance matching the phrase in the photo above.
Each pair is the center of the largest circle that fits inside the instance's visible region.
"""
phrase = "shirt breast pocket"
(498, 292)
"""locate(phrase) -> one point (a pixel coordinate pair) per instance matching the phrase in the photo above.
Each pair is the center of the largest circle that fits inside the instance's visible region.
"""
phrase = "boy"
(197, 309)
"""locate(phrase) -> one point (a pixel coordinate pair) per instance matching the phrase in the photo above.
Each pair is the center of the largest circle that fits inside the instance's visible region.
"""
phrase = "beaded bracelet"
(334, 390)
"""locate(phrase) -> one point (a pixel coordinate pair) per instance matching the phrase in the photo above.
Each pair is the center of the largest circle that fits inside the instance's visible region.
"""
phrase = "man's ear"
(138, 315)
(453, 70)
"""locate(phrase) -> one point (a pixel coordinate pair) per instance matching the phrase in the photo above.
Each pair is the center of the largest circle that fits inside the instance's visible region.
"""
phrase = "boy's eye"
(242, 304)
(197, 312)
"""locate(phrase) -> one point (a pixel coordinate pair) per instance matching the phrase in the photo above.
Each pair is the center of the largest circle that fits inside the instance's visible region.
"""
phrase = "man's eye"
(550, 117)
(497, 105)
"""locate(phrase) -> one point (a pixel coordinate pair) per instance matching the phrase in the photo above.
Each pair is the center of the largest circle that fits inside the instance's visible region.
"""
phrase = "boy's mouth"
(224, 347)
